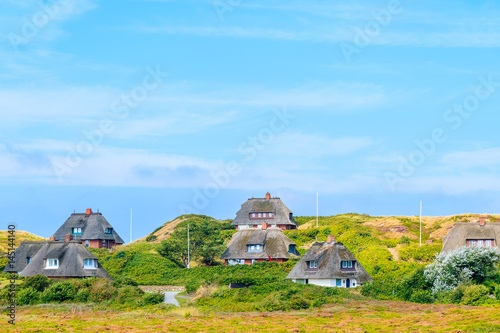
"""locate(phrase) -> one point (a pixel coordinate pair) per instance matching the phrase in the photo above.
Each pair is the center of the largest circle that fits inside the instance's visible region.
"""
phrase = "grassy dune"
(353, 316)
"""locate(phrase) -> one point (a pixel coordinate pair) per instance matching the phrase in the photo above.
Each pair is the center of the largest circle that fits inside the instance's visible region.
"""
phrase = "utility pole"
(420, 222)
(188, 248)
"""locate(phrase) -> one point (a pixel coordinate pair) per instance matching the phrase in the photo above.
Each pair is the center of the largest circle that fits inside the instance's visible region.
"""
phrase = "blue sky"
(168, 107)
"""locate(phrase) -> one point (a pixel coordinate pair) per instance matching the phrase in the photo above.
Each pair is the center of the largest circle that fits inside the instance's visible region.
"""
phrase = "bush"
(153, 298)
(404, 240)
(59, 292)
(422, 296)
(125, 281)
(497, 293)
(82, 296)
(460, 266)
(28, 296)
(38, 282)
(151, 238)
(475, 295)
(192, 286)
(102, 290)
(128, 295)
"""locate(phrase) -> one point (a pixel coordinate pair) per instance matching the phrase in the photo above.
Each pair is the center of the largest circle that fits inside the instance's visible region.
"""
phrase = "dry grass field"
(353, 316)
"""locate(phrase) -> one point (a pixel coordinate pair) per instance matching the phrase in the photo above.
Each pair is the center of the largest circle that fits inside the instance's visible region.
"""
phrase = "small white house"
(329, 264)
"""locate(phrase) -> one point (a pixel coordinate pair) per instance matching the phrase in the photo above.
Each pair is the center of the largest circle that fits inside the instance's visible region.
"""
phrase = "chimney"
(264, 225)
(88, 212)
(331, 239)
(68, 238)
(268, 195)
(52, 238)
(482, 220)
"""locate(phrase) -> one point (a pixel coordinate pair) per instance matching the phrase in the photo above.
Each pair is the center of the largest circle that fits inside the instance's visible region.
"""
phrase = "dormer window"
(109, 231)
(346, 264)
(89, 263)
(76, 231)
(254, 248)
(261, 216)
(52, 264)
(28, 260)
(313, 264)
(291, 248)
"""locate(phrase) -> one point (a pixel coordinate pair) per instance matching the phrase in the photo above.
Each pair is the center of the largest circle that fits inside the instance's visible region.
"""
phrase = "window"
(77, 231)
(28, 260)
(480, 242)
(52, 263)
(253, 260)
(236, 262)
(109, 231)
(254, 248)
(264, 214)
(487, 242)
(349, 264)
(89, 263)
(344, 264)
(87, 243)
(354, 283)
(260, 214)
(313, 264)
(291, 248)
(253, 214)
(103, 243)
(338, 282)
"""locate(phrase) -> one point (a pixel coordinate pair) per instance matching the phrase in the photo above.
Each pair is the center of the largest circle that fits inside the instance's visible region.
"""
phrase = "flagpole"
(420, 222)
(188, 248)
(130, 225)
(317, 208)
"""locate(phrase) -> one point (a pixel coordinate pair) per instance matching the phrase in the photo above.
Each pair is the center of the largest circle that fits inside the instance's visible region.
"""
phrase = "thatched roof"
(275, 245)
(328, 256)
(24, 251)
(93, 227)
(282, 215)
(70, 256)
(462, 231)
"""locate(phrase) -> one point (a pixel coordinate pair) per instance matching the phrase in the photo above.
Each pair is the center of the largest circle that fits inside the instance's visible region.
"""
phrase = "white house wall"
(330, 282)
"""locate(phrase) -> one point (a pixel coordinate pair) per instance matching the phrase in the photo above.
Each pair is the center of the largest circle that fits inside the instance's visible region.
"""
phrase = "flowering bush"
(461, 265)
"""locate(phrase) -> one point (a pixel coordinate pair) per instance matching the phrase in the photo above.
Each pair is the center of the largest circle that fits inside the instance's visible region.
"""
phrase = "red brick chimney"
(88, 212)
(482, 220)
(268, 195)
(264, 225)
(331, 239)
(68, 238)
(52, 239)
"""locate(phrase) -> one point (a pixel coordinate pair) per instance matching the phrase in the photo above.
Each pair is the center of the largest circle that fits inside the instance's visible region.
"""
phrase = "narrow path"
(170, 297)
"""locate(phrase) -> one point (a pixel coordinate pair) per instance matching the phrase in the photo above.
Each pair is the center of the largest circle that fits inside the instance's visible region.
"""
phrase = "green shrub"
(102, 290)
(422, 296)
(192, 286)
(151, 238)
(497, 292)
(404, 240)
(455, 295)
(153, 298)
(425, 253)
(28, 296)
(475, 295)
(38, 282)
(82, 296)
(299, 302)
(125, 281)
(59, 292)
(128, 295)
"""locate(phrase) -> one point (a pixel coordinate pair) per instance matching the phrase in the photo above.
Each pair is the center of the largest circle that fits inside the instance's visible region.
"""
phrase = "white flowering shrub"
(461, 265)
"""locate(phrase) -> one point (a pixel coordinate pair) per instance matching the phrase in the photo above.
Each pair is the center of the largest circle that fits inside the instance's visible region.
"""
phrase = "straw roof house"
(479, 233)
(329, 264)
(57, 260)
(90, 228)
(256, 245)
(256, 211)
(23, 255)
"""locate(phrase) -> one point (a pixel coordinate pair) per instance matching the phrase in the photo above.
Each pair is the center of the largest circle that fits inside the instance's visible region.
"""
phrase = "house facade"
(56, 260)
(252, 245)
(329, 264)
(89, 228)
(271, 211)
(479, 233)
